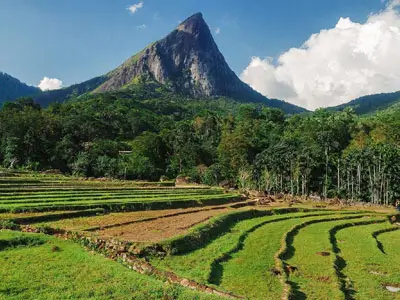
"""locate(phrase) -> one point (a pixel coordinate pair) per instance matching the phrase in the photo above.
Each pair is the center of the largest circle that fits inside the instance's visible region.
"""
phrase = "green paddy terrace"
(199, 234)
(50, 193)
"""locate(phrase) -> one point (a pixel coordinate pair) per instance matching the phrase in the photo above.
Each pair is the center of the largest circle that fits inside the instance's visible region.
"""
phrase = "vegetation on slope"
(147, 132)
(11, 88)
(69, 194)
(371, 104)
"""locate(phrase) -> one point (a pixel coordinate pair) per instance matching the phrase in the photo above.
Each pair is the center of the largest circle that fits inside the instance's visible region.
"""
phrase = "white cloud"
(141, 27)
(393, 4)
(217, 30)
(335, 65)
(49, 84)
(135, 7)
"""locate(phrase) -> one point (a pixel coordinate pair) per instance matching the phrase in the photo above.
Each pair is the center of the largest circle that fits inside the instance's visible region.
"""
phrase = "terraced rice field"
(296, 256)
(187, 243)
(60, 194)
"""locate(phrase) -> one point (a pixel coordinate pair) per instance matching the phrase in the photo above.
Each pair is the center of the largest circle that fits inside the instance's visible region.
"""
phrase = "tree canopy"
(145, 133)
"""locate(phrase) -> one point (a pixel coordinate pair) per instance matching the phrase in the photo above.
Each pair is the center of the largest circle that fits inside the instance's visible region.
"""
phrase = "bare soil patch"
(323, 253)
(324, 279)
(120, 219)
(162, 228)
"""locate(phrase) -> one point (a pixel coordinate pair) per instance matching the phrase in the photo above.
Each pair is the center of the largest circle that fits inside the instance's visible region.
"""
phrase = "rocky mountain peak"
(193, 25)
(186, 61)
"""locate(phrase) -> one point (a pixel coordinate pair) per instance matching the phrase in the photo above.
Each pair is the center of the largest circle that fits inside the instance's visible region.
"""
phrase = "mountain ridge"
(186, 61)
(12, 88)
(370, 103)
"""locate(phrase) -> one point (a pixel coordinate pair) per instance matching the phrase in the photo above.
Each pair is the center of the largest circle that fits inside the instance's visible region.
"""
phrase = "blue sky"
(76, 40)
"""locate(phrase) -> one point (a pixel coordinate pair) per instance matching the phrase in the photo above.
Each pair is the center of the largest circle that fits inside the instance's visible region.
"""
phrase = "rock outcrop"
(187, 61)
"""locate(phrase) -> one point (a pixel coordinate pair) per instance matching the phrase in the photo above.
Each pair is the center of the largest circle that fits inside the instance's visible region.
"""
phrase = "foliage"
(12, 88)
(145, 133)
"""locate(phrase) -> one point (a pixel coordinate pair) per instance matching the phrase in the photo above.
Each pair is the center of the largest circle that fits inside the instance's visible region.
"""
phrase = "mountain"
(187, 61)
(11, 88)
(61, 95)
(371, 103)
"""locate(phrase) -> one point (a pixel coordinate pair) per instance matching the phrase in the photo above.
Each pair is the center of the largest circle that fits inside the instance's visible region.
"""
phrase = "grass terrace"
(205, 242)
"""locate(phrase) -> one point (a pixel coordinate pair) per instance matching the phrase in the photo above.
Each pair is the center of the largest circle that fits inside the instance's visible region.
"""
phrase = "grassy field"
(56, 269)
(370, 268)
(199, 234)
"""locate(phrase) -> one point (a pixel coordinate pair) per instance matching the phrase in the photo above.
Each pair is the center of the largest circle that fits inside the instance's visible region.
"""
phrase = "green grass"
(315, 274)
(89, 198)
(106, 193)
(118, 203)
(198, 264)
(367, 267)
(69, 272)
(249, 271)
(43, 193)
(332, 254)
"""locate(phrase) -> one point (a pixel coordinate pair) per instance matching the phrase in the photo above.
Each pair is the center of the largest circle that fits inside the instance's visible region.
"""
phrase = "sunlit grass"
(63, 270)
(368, 269)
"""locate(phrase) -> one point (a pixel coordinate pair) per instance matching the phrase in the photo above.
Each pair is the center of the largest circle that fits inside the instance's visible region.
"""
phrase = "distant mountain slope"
(11, 88)
(61, 95)
(187, 61)
(371, 104)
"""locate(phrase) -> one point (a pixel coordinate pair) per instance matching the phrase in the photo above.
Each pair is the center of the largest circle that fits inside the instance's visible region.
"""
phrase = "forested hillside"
(371, 103)
(11, 88)
(147, 132)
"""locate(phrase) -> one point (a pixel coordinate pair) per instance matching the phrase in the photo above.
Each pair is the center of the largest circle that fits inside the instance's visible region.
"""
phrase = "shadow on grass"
(289, 251)
(216, 272)
(340, 262)
(204, 234)
(12, 291)
(296, 293)
(378, 233)
(20, 241)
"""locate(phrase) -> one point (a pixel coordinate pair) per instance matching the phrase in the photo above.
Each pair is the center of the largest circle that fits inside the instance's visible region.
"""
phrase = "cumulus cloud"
(49, 84)
(135, 7)
(393, 4)
(335, 65)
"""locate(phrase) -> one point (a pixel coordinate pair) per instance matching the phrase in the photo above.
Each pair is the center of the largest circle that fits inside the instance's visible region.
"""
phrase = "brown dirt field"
(160, 229)
(85, 223)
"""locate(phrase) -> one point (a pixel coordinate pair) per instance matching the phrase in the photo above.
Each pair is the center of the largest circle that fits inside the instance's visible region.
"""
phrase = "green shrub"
(8, 224)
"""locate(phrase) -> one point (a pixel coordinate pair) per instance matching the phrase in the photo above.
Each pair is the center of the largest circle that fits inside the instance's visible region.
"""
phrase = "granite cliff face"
(187, 60)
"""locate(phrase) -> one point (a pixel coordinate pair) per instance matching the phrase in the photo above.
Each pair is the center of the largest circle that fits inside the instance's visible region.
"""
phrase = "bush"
(8, 224)
(164, 178)
(212, 175)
